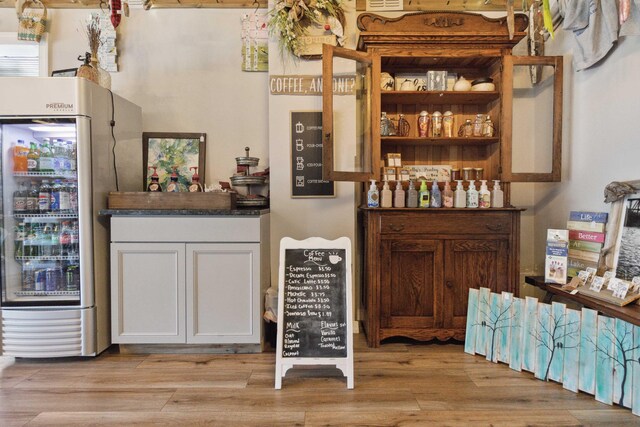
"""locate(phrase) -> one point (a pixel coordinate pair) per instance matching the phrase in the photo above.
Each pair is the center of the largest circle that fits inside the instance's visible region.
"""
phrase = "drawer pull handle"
(394, 227)
(449, 284)
(496, 227)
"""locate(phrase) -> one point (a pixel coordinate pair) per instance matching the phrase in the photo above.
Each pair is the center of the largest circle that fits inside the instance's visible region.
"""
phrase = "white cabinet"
(188, 280)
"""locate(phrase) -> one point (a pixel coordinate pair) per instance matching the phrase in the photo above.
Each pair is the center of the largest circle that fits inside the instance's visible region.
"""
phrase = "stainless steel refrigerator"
(65, 144)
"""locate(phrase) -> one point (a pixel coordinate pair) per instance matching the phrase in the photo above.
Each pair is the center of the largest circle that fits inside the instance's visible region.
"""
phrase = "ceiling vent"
(384, 5)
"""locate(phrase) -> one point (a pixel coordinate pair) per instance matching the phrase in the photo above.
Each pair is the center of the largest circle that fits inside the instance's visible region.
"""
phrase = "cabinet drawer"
(446, 222)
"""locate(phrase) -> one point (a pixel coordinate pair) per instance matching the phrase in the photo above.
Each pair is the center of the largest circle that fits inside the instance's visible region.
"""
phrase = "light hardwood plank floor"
(398, 384)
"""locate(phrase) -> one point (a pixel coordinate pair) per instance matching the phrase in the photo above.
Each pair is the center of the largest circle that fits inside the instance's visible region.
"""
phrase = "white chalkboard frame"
(345, 364)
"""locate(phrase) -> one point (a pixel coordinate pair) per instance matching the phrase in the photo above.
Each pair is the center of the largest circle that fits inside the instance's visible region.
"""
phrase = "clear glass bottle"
(403, 126)
(423, 124)
(436, 124)
(478, 125)
(466, 129)
(384, 124)
(447, 124)
(487, 128)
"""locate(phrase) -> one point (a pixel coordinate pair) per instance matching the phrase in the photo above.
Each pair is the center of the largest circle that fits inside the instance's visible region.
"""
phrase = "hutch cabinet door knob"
(449, 284)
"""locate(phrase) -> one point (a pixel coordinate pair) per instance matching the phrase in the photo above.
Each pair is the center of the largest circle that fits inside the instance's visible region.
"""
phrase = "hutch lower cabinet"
(188, 279)
(420, 265)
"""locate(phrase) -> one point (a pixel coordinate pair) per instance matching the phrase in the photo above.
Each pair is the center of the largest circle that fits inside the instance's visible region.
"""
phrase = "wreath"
(291, 19)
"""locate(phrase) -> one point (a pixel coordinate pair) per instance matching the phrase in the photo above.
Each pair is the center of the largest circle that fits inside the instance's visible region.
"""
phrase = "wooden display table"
(629, 313)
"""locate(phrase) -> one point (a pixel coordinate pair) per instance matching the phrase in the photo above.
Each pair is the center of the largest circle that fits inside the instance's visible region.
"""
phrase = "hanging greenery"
(290, 20)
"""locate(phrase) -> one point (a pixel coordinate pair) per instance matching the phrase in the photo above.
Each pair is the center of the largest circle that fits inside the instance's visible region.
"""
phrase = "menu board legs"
(315, 320)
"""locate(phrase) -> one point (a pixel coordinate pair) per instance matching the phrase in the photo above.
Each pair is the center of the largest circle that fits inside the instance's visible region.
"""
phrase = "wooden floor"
(397, 384)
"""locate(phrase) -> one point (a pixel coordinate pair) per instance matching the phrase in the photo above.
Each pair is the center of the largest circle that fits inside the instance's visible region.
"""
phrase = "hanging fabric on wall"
(595, 24)
(255, 42)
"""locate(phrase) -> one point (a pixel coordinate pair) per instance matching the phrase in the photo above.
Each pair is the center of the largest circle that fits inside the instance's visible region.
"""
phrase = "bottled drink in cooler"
(33, 158)
(20, 200)
(30, 244)
(19, 242)
(70, 162)
(59, 197)
(28, 277)
(46, 157)
(40, 279)
(72, 277)
(44, 197)
(75, 239)
(32, 198)
(72, 188)
(20, 152)
(44, 240)
(55, 239)
(65, 239)
(58, 149)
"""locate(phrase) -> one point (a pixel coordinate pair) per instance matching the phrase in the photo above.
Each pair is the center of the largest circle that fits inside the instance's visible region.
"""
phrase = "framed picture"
(69, 72)
(166, 151)
(627, 252)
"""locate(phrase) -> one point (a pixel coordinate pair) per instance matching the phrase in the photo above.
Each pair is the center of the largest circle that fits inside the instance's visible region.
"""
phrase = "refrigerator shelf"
(46, 293)
(48, 258)
(50, 215)
(55, 174)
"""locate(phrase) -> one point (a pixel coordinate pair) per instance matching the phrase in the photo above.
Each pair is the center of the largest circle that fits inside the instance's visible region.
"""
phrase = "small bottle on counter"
(484, 197)
(447, 195)
(460, 196)
(447, 124)
(373, 196)
(423, 195)
(154, 183)
(412, 196)
(497, 196)
(487, 128)
(398, 196)
(385, 195)
(436, 195)
(423, 124)
(195, 186)
(174, 185)
(472, 195)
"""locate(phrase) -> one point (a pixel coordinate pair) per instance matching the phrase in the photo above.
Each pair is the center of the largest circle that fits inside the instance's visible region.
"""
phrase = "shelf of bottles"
(45, 214)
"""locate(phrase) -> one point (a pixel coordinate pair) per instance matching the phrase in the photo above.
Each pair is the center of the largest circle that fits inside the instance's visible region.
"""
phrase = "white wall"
(182, 66)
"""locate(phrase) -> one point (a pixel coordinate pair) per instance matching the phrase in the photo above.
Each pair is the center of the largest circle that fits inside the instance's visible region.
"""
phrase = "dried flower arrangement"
(290, 20)
(93, 33)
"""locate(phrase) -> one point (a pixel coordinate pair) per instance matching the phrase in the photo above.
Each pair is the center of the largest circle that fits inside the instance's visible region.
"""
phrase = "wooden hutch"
(419, 263)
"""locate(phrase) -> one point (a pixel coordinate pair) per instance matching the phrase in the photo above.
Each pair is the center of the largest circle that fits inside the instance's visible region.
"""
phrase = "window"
(22, 58)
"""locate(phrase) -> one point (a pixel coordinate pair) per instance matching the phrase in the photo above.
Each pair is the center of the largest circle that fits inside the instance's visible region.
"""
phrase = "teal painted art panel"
(515, 347)
(571, 366)
(493, 326)
(604, 360)
(588, 337)
(472, 320)
(506, 328)
(484, 311)
(544, 342)
(623, 363)
(530, 327)
(558, 331)
(635, 386)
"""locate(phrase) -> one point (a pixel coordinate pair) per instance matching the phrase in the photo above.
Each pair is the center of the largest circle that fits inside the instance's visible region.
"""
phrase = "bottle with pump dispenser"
(195, 186)
(436, 195)
(412, 196)
(398, 195)
(386, 197)
(447, 195)
(472, 195)
(460, 196)
(423, 195)
(373, 196)
(484, 197)
(154, 183)
(174, 185)
(497, 196)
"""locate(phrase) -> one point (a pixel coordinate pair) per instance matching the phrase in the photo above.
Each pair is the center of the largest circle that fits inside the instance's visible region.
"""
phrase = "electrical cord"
(112, 123)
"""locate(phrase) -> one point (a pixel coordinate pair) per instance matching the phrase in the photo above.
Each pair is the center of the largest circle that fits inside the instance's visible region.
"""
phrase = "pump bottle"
(385, 195)
(195, 185)
(472, 195)
(412, 196)
(447, 195)
(154, 184)
(436, 195)
(497, 196)
(174, 185)
(398, 196)
(423, 197)
(460, 197)
(484, 197)
(373, 196)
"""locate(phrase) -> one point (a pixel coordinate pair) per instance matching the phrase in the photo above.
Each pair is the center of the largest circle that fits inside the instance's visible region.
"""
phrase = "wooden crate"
(148, 200)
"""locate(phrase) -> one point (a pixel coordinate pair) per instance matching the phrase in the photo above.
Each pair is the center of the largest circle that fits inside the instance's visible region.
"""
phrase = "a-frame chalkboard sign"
(314, 306)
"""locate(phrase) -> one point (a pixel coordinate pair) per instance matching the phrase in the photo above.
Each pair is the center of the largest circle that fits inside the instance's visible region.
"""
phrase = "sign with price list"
(314, 306)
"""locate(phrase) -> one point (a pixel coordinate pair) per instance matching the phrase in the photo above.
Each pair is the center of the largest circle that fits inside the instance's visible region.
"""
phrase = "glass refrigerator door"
(40, 257)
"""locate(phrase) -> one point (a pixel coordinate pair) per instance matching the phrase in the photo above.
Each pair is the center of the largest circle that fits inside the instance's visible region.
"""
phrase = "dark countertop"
(183, 212)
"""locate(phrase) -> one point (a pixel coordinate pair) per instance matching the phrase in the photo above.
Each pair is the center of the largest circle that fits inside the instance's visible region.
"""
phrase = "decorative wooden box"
(149, 200)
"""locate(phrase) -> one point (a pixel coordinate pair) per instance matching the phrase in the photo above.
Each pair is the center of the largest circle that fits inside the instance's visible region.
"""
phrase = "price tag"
(596, 283)
(621, 290)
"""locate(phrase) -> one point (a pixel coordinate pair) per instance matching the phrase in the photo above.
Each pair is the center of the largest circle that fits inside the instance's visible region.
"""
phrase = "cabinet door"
(472, 264)
(532, 118)
(410, 285)
(347, 151)
(223, 293)
(147, 293)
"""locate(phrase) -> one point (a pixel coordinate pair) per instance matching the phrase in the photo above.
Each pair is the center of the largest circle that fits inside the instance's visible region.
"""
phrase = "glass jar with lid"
(423, 124)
